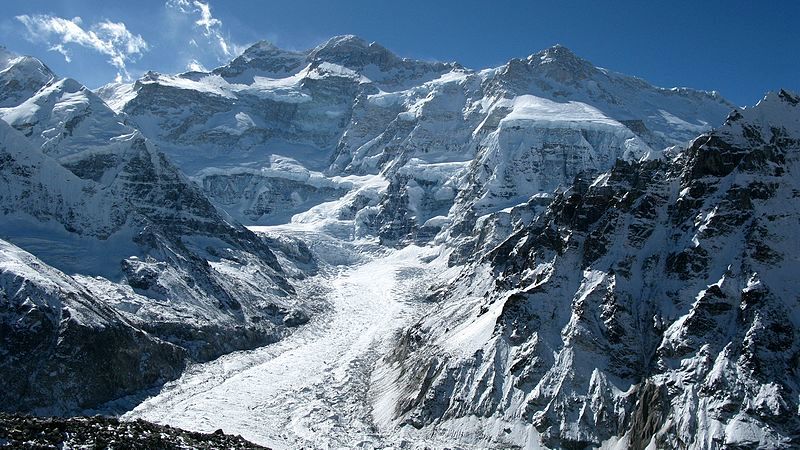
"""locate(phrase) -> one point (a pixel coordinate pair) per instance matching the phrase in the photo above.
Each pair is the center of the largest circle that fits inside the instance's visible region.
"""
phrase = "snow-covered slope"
(94, 199)
(652, 306)
(495, 136)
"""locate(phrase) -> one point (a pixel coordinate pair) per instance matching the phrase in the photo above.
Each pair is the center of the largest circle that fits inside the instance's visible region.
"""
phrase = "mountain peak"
(265, 58)
(775, 110)
(556, 63)
(353, 52)
(350, 47)
(558, 54)
(558, 51)
(262, 45)
(263, 48)
(345, 41)
(777, 100)
(21, 77)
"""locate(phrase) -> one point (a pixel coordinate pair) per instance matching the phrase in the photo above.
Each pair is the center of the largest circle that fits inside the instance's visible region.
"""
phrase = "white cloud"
(209, 26)
(60, 49)
(112, 39)
(206, 20)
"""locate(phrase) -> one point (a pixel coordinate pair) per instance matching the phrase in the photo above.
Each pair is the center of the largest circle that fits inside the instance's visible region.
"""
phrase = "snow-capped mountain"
(21, 77)
(539, 255)
(442, 135)
(651, 306)
(121, 230)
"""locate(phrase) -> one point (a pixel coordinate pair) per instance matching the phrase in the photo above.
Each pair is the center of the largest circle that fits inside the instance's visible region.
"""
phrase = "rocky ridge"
(652, 305)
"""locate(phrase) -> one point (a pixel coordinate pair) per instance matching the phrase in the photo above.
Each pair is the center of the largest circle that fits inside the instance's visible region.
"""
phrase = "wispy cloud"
(208, 26)
(206, 20)
(112, 39)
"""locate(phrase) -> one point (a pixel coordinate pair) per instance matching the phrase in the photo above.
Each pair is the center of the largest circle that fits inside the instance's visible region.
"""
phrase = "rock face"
(652, 305)
(148, 272)
(444, 137)
(272, 194)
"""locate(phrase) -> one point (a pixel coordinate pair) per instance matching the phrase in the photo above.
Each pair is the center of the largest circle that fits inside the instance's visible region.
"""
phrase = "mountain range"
(611, 264)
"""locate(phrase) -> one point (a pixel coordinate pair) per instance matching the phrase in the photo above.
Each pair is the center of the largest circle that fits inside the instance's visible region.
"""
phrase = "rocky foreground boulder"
(102, 433)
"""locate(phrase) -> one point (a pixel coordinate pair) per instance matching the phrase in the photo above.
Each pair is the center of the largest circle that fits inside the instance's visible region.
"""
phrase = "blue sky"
(740, 48)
